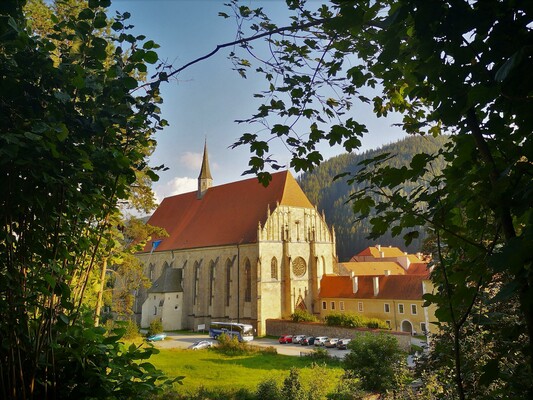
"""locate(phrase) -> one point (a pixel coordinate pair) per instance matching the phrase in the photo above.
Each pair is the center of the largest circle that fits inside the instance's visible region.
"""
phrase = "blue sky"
(208, 97)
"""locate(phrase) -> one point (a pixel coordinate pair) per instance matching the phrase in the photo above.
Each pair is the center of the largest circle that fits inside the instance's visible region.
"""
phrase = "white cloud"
(175, 186)
(192, 161)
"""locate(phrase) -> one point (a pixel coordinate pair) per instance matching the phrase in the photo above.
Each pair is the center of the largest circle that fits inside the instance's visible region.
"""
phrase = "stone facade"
(248, 283)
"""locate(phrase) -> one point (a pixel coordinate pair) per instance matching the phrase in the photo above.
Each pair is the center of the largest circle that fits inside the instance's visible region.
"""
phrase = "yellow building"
(395, 299)
(385, 283)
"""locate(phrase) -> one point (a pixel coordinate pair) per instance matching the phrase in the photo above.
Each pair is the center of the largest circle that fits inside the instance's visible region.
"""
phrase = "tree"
(458, 67)
(292, 387)
(377, 360)
(73, 140)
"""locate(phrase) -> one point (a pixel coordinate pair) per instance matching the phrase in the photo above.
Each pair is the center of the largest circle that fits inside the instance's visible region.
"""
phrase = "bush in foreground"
(378, 361)
(156, 326)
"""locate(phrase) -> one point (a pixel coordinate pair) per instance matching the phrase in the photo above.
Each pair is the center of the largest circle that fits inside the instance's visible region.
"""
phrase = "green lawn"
(212, 370)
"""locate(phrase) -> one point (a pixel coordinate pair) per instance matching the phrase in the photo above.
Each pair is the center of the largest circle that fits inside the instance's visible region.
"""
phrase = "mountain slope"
(331, 196)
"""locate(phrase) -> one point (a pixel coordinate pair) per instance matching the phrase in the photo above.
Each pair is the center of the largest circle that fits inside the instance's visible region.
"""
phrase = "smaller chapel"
(237, 252)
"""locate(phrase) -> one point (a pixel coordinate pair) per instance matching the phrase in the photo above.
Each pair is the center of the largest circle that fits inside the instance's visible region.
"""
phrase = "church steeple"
(205, 180)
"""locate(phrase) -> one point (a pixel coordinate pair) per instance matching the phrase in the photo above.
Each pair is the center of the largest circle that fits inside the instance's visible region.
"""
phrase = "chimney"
(419, 255)
(375, 280)
(382, 254)
(387, 272)
(355, 280)
(378, 246)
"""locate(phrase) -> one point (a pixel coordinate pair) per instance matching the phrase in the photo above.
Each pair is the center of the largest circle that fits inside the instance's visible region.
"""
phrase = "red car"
(285, 339)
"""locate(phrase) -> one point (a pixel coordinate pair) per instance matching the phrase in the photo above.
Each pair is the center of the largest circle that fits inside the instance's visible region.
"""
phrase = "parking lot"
(176, 340)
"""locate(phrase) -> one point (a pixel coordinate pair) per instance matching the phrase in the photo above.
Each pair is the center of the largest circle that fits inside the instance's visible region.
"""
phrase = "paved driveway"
(175, 340)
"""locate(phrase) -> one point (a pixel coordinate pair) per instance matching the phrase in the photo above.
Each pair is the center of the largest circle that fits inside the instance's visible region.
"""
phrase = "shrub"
(131, 328)
(292, 387)
(303, 316)
(319, 354)
(318, 384)
(377, 360)
(268, 390)
(348, 388)
(230, 346)
(351, 320)
(156, 326)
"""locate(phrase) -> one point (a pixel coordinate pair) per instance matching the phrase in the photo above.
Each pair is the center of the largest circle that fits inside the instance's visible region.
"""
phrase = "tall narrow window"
(324, 305)
(400, 308)
(228, 282)
(332, 305)
(413, 309)
(274, 268)
(151, 272)
(211, 282)
(360, 306)
(341, 305)
(248, 282)
(387, 307)
(196, 278)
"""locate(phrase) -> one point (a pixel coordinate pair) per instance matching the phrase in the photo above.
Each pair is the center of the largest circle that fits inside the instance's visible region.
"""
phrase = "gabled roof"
(392, 287)
(375, 252)
(374, 267)
(227, 214)
(168, 282)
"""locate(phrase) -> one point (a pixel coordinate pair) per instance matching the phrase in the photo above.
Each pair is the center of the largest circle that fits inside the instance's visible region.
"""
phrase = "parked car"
(285, 339)
(307, 341)
(202, 344)
(157, 337)
(320, 340)
(297, 338)
(331, 342)
(342, 344)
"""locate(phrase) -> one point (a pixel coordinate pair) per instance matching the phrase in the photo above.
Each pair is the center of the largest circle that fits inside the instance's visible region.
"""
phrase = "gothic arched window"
(228, 282)
(274, 268)
(248, 281)
(196, 282)
(211, 282)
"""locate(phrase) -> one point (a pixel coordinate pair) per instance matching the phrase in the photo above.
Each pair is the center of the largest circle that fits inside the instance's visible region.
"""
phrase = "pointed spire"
(205, 173)
(205, 180)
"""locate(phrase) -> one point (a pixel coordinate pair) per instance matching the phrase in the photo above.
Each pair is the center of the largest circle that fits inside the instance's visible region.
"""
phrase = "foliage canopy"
(74, 143)
(458, 67)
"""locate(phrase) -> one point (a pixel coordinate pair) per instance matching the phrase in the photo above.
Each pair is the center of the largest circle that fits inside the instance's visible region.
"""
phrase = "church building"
(237, 252)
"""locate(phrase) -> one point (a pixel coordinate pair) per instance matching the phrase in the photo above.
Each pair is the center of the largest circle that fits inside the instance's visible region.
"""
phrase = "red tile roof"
(227, 214)
(392, 287)
(418, 269)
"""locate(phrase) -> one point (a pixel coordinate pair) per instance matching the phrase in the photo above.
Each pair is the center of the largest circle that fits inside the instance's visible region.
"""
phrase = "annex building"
(384, 283)
(236, 252)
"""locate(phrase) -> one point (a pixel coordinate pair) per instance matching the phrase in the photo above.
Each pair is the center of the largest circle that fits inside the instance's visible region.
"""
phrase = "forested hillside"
(332, 196)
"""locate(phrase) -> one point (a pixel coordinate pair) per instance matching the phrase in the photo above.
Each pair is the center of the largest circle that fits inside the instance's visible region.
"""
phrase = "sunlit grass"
(212, 370)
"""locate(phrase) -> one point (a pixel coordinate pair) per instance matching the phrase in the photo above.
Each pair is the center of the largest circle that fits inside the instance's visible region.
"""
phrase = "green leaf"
(150, 57)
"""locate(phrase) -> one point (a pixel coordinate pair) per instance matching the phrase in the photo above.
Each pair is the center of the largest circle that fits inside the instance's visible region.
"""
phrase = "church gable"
(226, 214)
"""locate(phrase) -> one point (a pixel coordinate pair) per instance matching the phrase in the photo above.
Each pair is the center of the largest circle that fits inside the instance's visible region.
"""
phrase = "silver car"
(298, 338)
(202, 344)
(320, 340)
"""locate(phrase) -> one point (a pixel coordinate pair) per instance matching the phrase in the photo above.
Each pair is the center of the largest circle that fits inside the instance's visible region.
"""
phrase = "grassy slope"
(212, 370)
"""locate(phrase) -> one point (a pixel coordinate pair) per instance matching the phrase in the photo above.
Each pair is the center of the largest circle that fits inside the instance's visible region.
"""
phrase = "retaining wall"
(278, 327)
